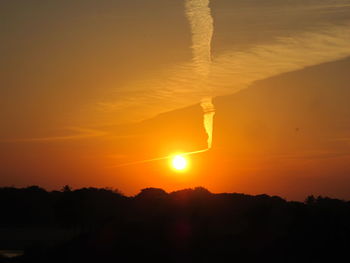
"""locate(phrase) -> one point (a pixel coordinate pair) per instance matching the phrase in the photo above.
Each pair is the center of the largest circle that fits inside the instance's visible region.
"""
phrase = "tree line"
(191, 225)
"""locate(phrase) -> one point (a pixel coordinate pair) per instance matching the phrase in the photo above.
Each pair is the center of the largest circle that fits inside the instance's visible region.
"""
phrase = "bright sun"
(179, 162)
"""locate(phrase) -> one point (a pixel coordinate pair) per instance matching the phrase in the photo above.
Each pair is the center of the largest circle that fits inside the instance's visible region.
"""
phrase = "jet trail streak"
(202, 27)
(161, 158)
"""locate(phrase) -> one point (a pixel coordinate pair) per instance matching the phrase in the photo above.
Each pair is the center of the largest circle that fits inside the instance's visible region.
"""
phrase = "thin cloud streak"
(82, 133)
(158, 158)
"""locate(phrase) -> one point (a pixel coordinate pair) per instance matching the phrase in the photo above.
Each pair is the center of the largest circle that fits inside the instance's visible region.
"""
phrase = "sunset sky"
(91, 90)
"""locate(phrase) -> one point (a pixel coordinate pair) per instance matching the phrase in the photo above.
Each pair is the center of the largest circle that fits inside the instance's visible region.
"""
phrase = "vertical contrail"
(208, 119)
(202, 27)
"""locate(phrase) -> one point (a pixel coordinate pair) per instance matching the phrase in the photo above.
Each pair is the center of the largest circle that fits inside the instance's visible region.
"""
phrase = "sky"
(87, 86)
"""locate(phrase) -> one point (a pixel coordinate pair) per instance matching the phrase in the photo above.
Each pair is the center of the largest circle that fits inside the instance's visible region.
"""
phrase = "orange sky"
(89, 86)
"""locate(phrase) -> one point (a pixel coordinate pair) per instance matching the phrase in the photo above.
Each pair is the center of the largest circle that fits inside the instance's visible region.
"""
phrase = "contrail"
(202, 27)
(81, 133)
(208, 119)
(161, 158)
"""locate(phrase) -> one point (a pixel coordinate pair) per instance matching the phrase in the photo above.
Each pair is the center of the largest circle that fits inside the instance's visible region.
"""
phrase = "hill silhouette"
(191, 225)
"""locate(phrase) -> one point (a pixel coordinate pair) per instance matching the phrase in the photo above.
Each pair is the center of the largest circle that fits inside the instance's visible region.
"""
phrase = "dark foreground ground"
(193, 225)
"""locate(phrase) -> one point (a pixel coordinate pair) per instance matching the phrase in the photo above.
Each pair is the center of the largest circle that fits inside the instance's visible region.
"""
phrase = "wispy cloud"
(79, 133)
(315, 155)
(341, 139)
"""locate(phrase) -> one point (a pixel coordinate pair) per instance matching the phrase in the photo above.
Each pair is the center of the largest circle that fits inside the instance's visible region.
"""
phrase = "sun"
(179, 163)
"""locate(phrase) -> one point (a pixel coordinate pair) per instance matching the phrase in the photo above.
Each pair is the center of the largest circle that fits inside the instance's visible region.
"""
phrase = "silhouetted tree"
(66, 188)
(310, 200)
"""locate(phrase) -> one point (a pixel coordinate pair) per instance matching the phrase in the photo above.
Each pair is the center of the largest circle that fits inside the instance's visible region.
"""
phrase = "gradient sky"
(88, 85)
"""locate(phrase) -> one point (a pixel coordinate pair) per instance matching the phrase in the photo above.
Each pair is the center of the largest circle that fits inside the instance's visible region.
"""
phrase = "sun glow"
(179, 163)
